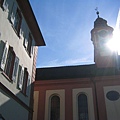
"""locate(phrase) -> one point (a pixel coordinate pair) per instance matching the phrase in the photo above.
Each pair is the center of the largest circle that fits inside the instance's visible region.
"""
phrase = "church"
(83, 92)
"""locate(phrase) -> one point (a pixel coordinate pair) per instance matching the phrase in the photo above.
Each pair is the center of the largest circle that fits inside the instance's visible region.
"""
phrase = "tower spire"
(100, 35)
(97, 12)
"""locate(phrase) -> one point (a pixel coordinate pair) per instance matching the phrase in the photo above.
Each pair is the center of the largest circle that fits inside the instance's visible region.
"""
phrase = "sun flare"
(114, 43)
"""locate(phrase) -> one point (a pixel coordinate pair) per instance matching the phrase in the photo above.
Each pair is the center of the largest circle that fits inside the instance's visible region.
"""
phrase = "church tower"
(100, 35)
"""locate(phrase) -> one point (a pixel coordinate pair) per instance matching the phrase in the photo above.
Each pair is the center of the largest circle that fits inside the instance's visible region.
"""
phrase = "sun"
(114, 43)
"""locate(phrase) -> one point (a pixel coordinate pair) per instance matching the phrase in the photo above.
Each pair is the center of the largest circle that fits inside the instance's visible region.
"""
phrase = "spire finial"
(97, 12)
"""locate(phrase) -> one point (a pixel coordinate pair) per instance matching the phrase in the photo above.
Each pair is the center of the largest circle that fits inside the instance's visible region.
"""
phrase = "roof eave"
(31, 21)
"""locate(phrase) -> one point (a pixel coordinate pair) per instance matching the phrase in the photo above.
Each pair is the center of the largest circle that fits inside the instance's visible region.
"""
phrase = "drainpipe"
(96, 100)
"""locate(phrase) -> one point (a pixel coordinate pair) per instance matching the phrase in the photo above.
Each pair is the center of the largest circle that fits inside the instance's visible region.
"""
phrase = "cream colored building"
(20, 37)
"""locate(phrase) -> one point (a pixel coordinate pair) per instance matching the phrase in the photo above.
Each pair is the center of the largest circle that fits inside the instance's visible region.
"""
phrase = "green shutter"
(2, 45)
(4, 55)
(28, 85)
(20, 77)
(26, 39)
(15, 69)
(5, 5)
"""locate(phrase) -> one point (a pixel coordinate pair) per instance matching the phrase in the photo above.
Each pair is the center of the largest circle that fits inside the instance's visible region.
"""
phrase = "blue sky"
(66, 26)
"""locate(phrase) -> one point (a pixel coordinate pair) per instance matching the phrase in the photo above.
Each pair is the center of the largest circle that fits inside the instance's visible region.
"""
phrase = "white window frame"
(89, 94)
(51, 105)
(61, 94)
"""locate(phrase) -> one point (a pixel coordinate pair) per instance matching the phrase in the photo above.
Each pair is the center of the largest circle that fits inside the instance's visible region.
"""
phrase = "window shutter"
(22, 29)
(2, 46)
(26, 40)
(32, 50)
(28, 85)
(15, 69)
(14, 9)
(5, 5)
(10, 4)
(4, 55)
(20, 77)
(32, 47)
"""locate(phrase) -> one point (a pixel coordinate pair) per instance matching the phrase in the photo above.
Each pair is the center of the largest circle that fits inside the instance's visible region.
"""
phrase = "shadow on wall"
(13, 107)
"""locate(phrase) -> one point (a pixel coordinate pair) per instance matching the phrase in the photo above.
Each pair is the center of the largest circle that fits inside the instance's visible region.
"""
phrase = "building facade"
(20, 37)
(84, 92)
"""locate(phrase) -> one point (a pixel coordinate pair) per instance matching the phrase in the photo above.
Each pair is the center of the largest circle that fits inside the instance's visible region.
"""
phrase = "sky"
(66, 26)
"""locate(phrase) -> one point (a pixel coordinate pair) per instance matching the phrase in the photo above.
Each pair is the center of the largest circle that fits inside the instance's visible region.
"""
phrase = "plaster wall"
(10, 109)
(7, 33)
(36, 102)
(112, 107)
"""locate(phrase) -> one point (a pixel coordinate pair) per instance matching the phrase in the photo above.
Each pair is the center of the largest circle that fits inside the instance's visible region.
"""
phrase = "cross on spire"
(97, 12)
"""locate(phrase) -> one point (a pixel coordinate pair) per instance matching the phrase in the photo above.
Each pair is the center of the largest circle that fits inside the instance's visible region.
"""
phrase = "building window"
(10, 62)
(15, 18)
(18, 20)
(24, 80)
(28, 43)
(55, 108)
(60, 104)
(82, 107)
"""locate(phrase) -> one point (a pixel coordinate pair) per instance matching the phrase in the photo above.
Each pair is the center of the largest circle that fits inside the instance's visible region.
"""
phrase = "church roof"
(68, 72)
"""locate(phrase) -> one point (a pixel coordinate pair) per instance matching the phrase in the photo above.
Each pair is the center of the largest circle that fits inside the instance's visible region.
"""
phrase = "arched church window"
(82, 107)
(55, 108)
